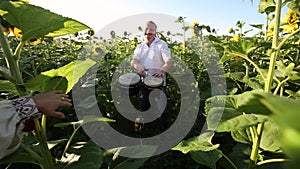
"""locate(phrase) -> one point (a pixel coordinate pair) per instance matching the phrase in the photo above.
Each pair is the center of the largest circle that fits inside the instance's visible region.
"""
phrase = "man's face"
(150, 32)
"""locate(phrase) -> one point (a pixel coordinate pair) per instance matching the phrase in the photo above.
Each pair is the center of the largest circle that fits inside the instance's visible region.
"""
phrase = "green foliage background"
(245, 61)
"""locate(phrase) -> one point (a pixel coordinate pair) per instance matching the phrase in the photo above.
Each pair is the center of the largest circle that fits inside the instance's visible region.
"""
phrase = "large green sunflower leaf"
(198, 143)
(63, 78)
(36, 22)
(208, 158)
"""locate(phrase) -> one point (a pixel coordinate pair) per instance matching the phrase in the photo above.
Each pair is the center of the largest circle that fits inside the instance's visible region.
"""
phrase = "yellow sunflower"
(195, 28)
(5, 30)
(230, 30)
(35, 41)
(270, 30)
(16, 31)
(195, 23)
(292, 20)
(290, 28)
(235, 38)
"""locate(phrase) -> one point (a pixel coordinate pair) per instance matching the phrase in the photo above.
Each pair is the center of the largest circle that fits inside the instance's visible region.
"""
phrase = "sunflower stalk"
(18, 50)
(12, 64)
(47, 159)
(15, 77)
(268, 82)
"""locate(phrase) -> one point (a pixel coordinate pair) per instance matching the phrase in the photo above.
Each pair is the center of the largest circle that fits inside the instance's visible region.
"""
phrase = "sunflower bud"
(230, 30)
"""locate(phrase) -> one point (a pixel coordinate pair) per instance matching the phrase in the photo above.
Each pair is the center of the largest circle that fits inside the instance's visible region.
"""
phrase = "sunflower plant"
(260, 111)
(277, 71)
(30, 23)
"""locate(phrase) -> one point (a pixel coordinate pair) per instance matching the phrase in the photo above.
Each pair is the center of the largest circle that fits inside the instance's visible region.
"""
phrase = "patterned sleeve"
(13, 116)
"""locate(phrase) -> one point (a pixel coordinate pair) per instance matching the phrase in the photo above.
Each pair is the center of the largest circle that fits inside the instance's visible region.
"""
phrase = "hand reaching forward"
(159, 73)
(48, 102)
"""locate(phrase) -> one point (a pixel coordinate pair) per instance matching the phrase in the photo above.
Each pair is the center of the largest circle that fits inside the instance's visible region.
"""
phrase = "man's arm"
(140, 69)
(164, 68)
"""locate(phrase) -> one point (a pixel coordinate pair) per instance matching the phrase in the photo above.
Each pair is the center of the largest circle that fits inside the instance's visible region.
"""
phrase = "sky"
(218, 14)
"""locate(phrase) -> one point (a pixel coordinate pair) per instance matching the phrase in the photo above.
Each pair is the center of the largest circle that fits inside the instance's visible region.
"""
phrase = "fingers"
(61, 95)
(48, 102)
(58, 115)
(64, 100)
(57, 92)
(142, 73)
(159, 74)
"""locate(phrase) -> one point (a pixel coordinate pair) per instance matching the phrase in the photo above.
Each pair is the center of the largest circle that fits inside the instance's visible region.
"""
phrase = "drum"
(152, 82)
(130, 83)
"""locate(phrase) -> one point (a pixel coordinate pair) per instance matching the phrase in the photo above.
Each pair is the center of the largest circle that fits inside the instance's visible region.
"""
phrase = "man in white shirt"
(152, 57)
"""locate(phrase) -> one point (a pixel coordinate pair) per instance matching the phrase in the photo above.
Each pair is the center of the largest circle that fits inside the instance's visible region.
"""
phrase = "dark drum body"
(130, 83)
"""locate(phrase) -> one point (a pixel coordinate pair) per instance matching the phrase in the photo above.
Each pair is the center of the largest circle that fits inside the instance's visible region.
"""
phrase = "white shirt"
(13, 116)
(152, 57)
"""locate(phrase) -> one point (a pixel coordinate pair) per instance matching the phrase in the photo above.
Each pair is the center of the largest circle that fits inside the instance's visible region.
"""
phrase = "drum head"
(129, 79)
(152, 81)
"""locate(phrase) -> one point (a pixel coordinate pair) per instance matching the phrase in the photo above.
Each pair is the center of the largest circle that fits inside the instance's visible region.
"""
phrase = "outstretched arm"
(47, 103)
(138, 67)
(16, 115)
(164, 69)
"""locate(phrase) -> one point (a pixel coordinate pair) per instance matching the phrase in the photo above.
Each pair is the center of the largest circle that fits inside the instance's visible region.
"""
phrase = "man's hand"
(140, 69)
(48, 102)
(143, 72)
(163, 69)
(159, 73)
